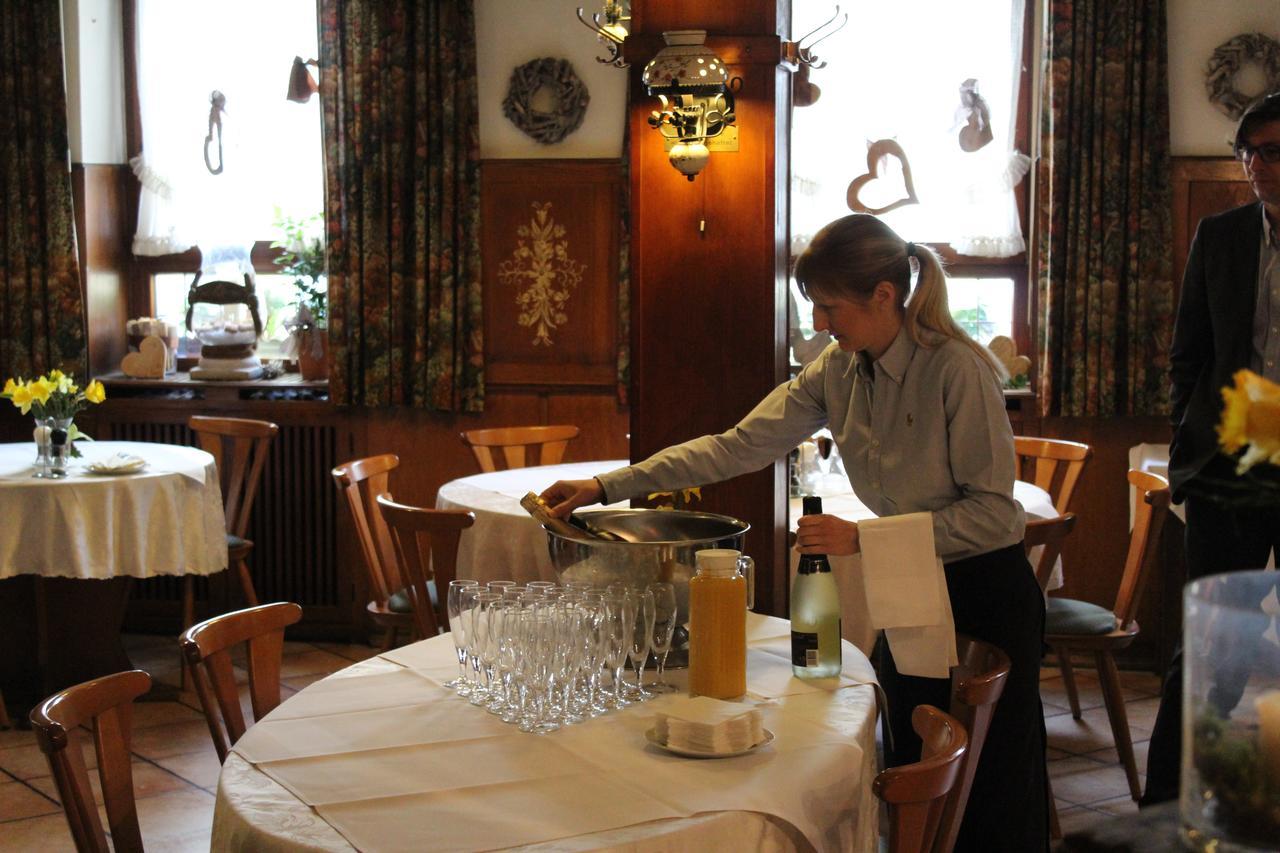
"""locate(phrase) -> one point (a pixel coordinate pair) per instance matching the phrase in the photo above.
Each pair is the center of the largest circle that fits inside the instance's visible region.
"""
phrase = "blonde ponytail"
(851, 255)
(928, 316)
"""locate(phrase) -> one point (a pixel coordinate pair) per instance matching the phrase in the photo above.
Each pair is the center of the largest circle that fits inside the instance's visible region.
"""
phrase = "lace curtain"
(271, 155)
(895, 72)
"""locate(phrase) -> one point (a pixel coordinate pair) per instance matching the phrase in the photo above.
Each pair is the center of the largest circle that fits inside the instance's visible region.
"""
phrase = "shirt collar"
(898, 356)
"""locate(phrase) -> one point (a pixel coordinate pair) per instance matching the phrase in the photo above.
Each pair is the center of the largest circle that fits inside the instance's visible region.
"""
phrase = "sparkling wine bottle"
(815, 613)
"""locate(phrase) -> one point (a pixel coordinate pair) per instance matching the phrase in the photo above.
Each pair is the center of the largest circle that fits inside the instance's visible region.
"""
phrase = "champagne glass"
(641, 636)
(620, 617)
(664, 626)
(478, 638)
(458, 629)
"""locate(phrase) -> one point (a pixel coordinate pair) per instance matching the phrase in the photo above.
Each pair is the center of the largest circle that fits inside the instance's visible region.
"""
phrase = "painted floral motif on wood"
(543, 273)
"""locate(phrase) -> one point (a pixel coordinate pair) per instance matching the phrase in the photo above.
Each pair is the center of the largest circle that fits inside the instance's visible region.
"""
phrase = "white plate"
(652, 736)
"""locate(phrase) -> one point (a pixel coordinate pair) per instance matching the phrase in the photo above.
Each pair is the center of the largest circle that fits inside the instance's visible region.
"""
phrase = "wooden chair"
(1078, 626)
(106, 705)
(1055, 466)
(917, 794)
(239, 446)
(551, 442)
(426, 544)
(361, 481)
(1047, 534)
(207, 649)
(5, 722)
(976, 684)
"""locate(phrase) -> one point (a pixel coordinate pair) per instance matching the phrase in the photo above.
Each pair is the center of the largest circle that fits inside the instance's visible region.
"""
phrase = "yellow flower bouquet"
(1251, 420)
(54, 396)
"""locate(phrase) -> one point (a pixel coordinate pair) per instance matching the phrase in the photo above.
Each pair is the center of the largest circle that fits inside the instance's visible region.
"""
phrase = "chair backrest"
(1047, 534)
(976, 685)
(106, 705)
(916, 794)
(514, 443)
(207, 649)
(1055, 466)
(426, 543)
(1148, 519)
(239, 446)
(361, 481)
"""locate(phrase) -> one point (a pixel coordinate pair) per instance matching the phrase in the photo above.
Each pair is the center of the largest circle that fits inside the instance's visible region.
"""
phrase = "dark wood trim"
(132, 111)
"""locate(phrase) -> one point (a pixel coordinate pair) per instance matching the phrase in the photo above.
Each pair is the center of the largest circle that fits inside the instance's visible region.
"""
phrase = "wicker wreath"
(1226, 62)
(569, 93)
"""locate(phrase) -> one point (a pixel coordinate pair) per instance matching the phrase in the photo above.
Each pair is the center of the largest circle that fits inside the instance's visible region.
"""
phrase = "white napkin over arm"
(906, 593)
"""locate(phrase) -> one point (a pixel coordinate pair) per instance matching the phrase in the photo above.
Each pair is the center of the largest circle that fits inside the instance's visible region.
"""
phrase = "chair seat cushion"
(399, 602)
(1069, 616)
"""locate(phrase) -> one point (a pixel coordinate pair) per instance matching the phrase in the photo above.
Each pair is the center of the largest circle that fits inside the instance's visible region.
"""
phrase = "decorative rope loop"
(1226, 62)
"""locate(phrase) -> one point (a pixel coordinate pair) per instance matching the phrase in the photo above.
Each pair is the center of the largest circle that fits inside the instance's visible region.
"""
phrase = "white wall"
(509, 33)
(94, 59)
(1196, 28)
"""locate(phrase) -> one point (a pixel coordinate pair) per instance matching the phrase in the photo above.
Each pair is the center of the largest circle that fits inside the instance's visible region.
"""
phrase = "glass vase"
(53, 447)
(1230, 799)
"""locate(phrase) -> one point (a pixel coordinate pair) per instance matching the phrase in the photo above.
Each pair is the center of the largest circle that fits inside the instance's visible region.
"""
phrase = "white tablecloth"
(505, 541)
(164, 520)
(838, 499)
(397, 762)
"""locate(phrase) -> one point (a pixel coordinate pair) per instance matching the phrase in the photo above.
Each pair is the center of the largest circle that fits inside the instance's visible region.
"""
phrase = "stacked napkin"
(709, 725)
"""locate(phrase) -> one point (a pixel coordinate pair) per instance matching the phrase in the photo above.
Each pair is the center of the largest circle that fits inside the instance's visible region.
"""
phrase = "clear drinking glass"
(477, 637)
(458, 629)
(641, 637)
(620, 614)
(664, 626)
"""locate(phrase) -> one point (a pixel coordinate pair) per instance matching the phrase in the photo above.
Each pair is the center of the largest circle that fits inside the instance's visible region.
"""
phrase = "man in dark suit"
(1228, 320)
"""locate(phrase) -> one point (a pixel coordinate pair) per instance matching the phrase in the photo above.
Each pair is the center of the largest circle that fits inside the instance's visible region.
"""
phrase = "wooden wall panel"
(100, 197)
(1202, 186)
(550, 242)
(708, 294)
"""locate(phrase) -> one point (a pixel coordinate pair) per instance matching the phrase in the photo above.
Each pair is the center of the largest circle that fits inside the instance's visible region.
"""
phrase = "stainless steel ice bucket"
(660, 546)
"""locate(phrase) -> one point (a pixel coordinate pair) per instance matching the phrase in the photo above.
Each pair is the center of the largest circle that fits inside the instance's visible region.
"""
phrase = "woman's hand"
(564, 496)
(827, 534)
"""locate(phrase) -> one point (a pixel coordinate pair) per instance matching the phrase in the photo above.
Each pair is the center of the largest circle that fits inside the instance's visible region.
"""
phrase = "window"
(269, 150)
(276, 298)
(890, 77)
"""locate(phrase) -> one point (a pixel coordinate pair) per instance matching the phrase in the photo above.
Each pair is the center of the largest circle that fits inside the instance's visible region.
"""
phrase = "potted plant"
(302, 257)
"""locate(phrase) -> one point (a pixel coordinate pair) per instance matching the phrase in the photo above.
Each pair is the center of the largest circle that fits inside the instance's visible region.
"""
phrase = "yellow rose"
(95, 393)
(22, 397)
(41, 389)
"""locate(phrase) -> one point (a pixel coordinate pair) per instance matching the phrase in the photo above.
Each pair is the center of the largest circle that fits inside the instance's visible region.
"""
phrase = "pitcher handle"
(747, 568)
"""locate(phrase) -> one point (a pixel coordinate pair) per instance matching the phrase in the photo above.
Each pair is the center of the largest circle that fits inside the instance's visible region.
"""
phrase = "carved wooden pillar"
(708, 266)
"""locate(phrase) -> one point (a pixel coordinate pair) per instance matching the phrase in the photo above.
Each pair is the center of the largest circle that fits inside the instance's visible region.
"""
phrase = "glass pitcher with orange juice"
(719, 596)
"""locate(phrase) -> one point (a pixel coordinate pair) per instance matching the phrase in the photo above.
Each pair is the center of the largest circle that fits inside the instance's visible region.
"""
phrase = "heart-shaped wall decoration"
(148, 362)
(878, 149)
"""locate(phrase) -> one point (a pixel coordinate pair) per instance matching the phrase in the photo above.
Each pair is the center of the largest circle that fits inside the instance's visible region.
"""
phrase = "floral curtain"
(1104, 264)
(402, 203)
(41, 310)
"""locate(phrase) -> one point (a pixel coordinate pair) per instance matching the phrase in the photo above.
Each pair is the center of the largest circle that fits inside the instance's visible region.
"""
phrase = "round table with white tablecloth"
(505, 541)
(72, 545)
(381, 757)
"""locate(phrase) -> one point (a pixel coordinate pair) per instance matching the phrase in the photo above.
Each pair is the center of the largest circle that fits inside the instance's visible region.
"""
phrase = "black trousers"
(1219, 539)
(994, 597)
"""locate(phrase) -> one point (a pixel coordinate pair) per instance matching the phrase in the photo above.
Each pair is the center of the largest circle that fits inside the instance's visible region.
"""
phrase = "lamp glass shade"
(685, 66)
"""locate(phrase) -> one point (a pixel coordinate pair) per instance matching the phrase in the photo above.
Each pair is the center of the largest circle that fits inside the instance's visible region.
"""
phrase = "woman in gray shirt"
(916, 408)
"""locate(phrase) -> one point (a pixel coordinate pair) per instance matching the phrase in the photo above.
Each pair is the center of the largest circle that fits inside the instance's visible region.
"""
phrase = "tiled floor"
(176, 769)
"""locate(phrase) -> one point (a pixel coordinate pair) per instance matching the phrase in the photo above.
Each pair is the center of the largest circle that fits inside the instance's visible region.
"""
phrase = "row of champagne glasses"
(534, 653)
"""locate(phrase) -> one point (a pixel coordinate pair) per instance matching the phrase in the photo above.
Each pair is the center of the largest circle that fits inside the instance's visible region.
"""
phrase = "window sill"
(180, 386)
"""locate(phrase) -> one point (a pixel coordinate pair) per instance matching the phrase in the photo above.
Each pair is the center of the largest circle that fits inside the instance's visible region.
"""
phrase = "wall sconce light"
(610, 25)
(693, 86)
(301, 84)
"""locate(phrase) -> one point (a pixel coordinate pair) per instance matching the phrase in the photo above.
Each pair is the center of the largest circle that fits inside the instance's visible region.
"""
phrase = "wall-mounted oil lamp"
(693, 86)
